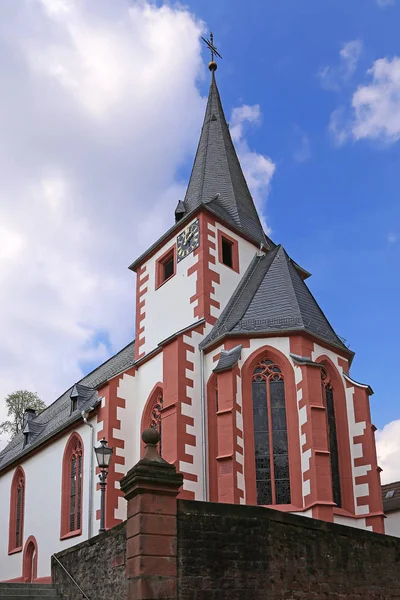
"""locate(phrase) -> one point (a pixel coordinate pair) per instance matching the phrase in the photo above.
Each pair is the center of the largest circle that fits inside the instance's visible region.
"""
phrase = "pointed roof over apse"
(273, 298)
(217, 179)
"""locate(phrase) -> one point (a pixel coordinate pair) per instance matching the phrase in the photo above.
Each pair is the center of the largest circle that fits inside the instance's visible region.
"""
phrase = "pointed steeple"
(217, 179)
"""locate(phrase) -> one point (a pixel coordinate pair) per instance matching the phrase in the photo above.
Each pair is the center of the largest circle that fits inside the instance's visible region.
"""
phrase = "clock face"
(188, 240)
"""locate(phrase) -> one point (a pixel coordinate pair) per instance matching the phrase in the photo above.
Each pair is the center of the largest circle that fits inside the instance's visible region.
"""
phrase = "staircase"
(28, 591)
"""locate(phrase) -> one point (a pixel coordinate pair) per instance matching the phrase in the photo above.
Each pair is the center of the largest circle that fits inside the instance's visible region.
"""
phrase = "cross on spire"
(210, 45)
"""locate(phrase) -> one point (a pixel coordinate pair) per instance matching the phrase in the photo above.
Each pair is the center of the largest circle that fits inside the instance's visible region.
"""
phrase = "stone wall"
(97, 565)
(233, 552)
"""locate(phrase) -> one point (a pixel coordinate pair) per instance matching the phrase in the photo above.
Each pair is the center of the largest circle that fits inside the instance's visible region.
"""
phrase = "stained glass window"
(19, 511)
(333, 444)
(270, 434)
(75, 490)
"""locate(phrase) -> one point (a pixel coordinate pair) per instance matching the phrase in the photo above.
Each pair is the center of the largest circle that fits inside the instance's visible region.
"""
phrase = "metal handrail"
(70, 576)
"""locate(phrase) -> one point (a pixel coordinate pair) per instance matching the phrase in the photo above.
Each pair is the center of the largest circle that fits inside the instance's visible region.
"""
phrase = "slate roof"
(217, 179)
(272, 297)
(391, 496)
(58, 415)
(228, 359)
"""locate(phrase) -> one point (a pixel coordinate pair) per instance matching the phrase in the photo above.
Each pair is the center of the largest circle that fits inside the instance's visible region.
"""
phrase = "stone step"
(28, 591)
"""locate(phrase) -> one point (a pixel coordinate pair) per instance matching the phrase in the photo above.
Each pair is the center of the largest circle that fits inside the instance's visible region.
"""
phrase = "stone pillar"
(151, 488)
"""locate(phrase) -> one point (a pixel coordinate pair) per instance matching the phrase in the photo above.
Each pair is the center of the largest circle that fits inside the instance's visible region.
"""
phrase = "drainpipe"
(85, 414)
(203, 427)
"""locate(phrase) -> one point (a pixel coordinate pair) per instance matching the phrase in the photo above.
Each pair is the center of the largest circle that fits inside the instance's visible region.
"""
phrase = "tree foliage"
(17, 403)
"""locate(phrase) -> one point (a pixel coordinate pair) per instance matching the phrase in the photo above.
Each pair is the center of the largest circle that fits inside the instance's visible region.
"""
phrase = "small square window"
(165, 267)
(389, 494)
(227, 253)
(168, 267)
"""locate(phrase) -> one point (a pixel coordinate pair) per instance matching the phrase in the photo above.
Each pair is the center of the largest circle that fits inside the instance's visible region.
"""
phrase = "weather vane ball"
(210, 44)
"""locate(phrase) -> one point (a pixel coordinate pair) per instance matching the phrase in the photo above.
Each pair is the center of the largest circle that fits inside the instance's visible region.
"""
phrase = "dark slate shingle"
(217, 178)
(272, 297)
(58, 415)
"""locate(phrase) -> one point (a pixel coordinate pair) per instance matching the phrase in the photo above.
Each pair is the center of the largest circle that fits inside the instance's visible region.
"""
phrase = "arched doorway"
(29, 562)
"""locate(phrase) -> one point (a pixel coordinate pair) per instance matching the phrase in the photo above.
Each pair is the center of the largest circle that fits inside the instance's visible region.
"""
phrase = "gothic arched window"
(333, 444)
(72, 476)
(270, 434)
(17, 509)
(155, 417)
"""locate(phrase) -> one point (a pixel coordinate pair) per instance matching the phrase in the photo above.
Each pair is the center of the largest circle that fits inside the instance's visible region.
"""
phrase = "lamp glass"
(103, 455)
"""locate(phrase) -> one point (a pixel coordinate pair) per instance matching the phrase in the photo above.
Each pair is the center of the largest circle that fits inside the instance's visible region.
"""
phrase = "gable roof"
(217, 178)
(391, 496)
(58, 415)
(273, 298)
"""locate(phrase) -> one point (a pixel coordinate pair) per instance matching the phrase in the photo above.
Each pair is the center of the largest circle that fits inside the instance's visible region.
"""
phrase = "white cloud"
(100, 108)
(333, 78)
(375, 106)
(302, 153)
(392, 237)
(258, 169)
(384, 3)
(388, 451)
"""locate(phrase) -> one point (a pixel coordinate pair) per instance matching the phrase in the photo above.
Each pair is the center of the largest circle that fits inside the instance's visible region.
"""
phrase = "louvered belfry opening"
(270, 434)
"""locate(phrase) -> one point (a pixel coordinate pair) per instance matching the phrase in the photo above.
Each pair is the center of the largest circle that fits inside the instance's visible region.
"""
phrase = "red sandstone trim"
(160, 262)
(237, 339)
(108, 415)
(235, 250)
(202, 210)
(342, 434)
(212, 437)
(142, 278)
(292, 424)
(29, 560)
(18, 476)
(367, 441)
(148, 408)
(73, 439)
(205, 276)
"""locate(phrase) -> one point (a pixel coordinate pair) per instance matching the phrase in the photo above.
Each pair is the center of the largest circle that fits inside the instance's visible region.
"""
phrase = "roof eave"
(270, 333)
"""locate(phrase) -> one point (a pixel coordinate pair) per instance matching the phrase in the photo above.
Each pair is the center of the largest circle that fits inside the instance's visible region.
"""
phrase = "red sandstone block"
(152, 524)
(164, 566)
(151, 545)
(152, 588)
(152, 503)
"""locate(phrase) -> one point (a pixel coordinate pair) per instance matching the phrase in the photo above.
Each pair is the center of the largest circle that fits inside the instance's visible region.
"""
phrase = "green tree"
(17, 403)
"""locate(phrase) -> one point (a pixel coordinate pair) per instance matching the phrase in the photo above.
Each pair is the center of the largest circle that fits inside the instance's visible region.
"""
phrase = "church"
(233, 361)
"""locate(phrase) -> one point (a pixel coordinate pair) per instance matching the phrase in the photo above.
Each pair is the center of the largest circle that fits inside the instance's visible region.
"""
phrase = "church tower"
(237, 365)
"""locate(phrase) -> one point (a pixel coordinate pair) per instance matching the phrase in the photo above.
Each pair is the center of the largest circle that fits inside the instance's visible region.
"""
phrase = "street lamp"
(103, 456)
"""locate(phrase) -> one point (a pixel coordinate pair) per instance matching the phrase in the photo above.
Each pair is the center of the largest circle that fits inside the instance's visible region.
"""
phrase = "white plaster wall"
(355, 429)
(229, 279)
(172, 299)
(392, 523)
(356, 523)
(10, 566)
(194, 410)
(43, 473)
(135, 390)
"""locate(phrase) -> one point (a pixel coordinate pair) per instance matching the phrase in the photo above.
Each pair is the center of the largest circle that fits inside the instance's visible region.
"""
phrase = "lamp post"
(103, 455)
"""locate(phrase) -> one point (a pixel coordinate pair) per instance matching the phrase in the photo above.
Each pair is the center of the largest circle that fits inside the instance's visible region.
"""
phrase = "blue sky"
(335, 209)
(102, 105)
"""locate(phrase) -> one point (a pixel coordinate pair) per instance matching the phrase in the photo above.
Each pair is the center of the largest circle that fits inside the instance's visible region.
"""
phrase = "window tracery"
(270, 434)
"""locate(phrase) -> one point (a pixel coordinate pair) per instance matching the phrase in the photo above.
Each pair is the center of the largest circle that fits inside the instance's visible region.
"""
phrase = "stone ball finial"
(151, 436)
(213, 66)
